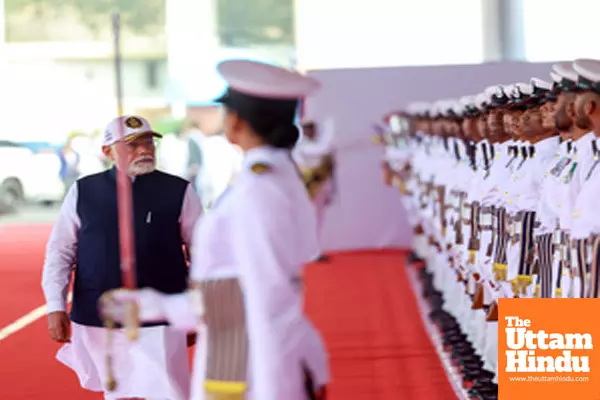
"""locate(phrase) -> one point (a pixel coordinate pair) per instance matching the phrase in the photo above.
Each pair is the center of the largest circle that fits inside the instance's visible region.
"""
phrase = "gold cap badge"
(133, 122)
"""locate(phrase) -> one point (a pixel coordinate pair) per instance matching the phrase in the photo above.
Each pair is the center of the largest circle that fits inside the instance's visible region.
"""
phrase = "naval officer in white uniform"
(246, 296)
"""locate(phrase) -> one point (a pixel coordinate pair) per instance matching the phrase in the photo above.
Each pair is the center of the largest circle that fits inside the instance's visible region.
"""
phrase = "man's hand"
(59, 327)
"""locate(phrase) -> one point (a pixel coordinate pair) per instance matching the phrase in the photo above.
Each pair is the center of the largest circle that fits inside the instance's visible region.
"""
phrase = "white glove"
(150, 304)
(183, 310)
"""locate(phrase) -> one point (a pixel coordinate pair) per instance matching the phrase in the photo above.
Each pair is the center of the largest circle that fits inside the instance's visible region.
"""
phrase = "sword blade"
(124, 196)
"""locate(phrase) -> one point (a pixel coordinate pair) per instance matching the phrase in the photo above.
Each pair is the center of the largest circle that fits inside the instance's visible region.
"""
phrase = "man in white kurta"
(156, 366)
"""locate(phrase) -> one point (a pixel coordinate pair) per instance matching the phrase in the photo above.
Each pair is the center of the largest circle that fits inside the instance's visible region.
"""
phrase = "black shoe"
(473, 362)
(482, 393)
(462, 352)
(487, 396)
(454, 338)
(488, 376)
(413, 258)
(323, 259)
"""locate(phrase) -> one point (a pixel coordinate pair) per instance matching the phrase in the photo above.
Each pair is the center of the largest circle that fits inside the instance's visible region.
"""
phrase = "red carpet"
(21, 258)
(362, 302)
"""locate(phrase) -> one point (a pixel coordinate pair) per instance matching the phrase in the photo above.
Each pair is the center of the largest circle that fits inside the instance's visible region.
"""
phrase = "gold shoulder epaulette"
(260, 168)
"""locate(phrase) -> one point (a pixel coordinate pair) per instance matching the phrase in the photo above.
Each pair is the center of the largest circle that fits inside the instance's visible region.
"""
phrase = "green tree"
(139, 16)
(241, 22)
(248, 22)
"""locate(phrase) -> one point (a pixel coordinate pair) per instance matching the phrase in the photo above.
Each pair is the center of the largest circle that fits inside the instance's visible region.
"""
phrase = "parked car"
(28, 176)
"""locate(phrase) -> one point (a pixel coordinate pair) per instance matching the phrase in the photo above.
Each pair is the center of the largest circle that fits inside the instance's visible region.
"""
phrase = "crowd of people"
(500, 190)
(228, 281)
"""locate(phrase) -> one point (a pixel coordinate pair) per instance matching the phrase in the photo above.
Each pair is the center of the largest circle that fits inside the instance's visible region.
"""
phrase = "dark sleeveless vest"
(160, 262)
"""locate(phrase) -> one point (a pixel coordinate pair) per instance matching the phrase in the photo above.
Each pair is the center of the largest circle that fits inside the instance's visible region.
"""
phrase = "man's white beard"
(140, 167)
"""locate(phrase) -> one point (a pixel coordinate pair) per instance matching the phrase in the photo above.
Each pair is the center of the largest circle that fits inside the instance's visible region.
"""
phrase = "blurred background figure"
(221, 162)
(69, 171)
(181, 152)
(173, 157)
(90, 159)
(314, 156)
(80, 157)
(194, 137)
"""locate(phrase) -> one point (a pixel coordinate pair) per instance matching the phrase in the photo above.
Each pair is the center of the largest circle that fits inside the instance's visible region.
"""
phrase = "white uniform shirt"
(548, 208)
(531, 174)
(499, 173)
(586, 220)
(572, 185)
(263, 231)
(462, 174)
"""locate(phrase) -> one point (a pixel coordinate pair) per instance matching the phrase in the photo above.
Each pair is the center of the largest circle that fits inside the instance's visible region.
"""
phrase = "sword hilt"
(111, 382)
(132, 320)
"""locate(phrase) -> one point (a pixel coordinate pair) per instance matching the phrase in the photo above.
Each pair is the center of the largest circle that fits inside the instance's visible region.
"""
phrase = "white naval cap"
(443, 106)
(555, 77)
(587, 69)
(481, 101)
(127, 128)
(458, 107)
(423, 108)
(539, 83)
(514, 93)
(417, 108)
(495, 90)
(542, 91)
(524, 88)
(267, 81)
(467, 100)
(512, 90)
(469, 105)
(411, 108)
(446, 104)
(565, 70)
(499, 95)
(434, 108)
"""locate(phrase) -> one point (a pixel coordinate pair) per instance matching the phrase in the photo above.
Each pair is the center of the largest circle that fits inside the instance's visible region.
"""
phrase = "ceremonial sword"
(125, 217)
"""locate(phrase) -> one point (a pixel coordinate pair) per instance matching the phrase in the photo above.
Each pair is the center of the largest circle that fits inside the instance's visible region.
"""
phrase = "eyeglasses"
(147, 142)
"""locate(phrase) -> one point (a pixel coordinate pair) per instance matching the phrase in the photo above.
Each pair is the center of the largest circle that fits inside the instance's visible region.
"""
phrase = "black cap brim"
(222, 98)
